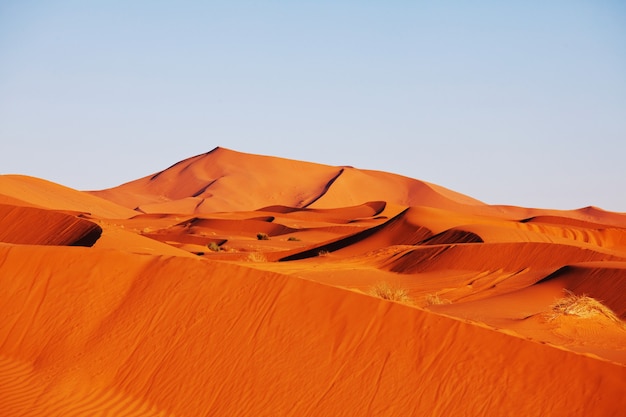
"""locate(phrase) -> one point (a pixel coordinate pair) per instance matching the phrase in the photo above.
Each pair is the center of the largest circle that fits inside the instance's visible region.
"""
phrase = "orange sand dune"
(586, 215)
(225, 180)
(41, 193)
(223, 339)
(233, 284)
(508, 257)
(29, 225)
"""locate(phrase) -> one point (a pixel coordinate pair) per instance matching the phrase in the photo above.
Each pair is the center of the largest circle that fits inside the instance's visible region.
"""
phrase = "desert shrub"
(434, 299)
(256, 257)
(580, 306)
(214, 247)
(262, 236)
(390, 292)
(323, 253)
(293, 239)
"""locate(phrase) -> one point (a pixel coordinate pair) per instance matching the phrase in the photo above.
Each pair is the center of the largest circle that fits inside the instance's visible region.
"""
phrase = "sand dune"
(29, 225)
(225, 180)
(227, 340)
(233, 284)
(44, 194)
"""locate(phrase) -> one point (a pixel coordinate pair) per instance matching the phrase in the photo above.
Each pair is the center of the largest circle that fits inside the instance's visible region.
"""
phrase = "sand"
(233, 284)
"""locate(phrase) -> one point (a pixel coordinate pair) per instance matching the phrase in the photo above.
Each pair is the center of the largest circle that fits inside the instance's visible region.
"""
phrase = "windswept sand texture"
(233, 284)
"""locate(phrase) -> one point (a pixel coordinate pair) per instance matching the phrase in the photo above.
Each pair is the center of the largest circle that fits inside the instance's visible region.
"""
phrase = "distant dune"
(233, 284)
(225, 180)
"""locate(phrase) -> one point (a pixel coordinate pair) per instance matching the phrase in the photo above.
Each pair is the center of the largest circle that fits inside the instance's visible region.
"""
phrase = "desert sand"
(232, 284)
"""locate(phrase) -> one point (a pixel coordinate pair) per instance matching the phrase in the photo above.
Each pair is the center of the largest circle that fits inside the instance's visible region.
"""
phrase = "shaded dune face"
(33, 226)
(508, 257)
(233, 284)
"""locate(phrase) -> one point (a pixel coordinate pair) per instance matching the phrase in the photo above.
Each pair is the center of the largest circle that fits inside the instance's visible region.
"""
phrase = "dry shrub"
(434, 299)
(256, 257)
(580, 306)
(214, 247)
(390, 292)
(262, 236)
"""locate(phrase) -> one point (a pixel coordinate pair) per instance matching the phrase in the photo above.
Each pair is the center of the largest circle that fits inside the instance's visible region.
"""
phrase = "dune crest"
(237, 284)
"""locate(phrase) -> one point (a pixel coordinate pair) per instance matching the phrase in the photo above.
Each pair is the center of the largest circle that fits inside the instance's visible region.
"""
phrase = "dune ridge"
(238, 284)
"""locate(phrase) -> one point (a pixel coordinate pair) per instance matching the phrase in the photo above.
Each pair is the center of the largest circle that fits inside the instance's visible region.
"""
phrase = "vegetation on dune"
(390, 292)
(435, 299)
(214, 247)
(580, 306)
(262, 236)
(256, 257)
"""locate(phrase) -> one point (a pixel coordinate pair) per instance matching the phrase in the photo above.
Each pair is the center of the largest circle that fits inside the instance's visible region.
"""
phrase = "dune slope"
(166, 335)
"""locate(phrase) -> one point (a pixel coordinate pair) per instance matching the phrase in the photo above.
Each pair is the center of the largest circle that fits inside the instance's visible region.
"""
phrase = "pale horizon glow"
(517, 104)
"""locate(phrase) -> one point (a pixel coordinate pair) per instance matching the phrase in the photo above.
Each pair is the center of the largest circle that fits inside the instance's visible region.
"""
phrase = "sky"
(517, 102)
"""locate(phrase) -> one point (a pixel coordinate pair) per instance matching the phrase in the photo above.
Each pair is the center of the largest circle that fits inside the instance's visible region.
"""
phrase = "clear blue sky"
(511, 102)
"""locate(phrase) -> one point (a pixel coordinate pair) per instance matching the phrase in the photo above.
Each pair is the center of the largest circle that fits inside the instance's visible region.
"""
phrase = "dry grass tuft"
(256, 257)
(580, 306)
(434, 299)
(389, 292)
